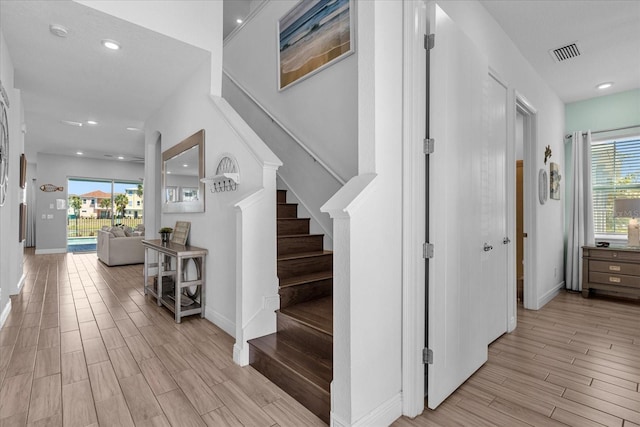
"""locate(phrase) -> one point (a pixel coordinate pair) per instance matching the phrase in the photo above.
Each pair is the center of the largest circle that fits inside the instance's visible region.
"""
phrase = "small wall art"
(23, 170)
(554, 181)
(312, 36)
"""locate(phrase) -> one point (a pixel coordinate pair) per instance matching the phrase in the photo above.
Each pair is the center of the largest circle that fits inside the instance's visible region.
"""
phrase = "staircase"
(299, 356)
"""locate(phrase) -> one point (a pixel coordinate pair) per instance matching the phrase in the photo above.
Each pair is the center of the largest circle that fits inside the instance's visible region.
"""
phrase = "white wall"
(190, 109)
(321, 110)
(199, 23)
(11, 273)
(512, 67)
(51, 234)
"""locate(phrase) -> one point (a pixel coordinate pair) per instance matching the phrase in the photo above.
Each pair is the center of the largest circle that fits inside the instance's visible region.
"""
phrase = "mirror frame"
(195, 140)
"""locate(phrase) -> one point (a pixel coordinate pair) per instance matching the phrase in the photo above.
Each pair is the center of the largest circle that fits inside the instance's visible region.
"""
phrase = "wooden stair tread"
(300, 235)
(317, 314)
(306, 278)
(303, 255)
(316, 371)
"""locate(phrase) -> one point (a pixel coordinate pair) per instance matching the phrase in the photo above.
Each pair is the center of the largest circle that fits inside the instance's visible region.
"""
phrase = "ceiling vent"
(565, 52)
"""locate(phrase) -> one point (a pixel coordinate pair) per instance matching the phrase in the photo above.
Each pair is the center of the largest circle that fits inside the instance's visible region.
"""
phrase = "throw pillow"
(128, 231)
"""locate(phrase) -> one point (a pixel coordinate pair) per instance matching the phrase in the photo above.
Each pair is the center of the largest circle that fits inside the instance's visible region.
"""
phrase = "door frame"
(414, 210)
(530, 133)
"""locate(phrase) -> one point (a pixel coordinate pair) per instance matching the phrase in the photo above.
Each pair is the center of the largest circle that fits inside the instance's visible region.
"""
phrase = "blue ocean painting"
(313, 34)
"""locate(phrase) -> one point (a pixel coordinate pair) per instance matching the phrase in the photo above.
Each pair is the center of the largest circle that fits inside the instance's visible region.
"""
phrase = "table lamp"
(629, 208)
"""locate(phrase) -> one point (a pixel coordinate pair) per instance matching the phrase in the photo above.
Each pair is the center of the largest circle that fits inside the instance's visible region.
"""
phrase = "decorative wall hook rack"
(227, 176)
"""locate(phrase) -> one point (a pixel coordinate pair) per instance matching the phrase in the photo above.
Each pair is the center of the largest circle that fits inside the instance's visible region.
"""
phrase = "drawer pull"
(614, 267)
(614, 279)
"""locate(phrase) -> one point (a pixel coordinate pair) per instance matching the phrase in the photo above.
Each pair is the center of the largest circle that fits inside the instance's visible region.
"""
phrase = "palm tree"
(121, 203)
(76, 203)
(106, 204)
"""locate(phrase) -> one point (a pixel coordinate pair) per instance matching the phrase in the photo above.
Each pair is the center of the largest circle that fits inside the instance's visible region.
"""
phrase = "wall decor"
(312, 36)
(547, 153)
(4, 153)
(22, 229)
(23, 170)
(50, 188)
(182, 170)
(554, 181)
(543, 186)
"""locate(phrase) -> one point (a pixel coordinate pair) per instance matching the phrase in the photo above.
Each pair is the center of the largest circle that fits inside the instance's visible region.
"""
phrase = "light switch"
(44, 216)
(50, 216)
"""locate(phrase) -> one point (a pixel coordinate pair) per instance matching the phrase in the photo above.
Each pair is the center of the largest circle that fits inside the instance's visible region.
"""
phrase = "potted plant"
(165, 232)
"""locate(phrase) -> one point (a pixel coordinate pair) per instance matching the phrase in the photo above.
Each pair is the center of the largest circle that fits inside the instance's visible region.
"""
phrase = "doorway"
(519, 149)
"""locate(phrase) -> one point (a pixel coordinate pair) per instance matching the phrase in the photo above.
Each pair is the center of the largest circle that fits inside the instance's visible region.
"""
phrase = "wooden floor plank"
(86, 333)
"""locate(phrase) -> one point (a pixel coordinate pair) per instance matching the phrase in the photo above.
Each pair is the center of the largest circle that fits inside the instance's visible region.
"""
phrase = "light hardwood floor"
(83, 346)
(574, 362)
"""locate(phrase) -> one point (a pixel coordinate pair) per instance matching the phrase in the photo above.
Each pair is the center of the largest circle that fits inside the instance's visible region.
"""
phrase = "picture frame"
(22, 228)
(181, 232)
(554, 181)
(313, 35)
(23, 170)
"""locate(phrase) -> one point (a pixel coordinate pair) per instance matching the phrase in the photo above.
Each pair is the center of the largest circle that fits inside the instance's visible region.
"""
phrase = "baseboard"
(544, 299)
(220, 321)
(51, 251)
(5, 313)
(383, 415)
(20, 284)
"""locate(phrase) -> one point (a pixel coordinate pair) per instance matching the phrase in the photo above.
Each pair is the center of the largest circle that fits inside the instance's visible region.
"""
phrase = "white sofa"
(119, 250)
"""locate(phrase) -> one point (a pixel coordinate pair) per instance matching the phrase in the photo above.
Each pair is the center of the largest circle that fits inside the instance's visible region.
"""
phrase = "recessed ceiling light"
(92, 122)
(169, 172)
(239, 21)
(120, 158)
(79, 153)
(110, 44)
(58, 30)
(185, 166)
(605, 85)
(71, 123)
(134, 129)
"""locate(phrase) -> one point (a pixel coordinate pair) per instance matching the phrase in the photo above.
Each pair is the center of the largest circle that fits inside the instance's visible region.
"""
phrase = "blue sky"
(82, 187)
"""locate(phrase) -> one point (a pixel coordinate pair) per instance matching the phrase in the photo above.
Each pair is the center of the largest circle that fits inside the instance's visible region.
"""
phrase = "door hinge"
(427, 356)
(429, 145)
(427, 250)
(429, 41)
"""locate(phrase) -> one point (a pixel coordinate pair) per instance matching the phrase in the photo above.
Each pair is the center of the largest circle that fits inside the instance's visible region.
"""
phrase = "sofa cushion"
(118, 232)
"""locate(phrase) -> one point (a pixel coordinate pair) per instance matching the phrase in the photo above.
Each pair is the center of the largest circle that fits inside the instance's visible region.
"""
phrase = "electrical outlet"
(44, 216)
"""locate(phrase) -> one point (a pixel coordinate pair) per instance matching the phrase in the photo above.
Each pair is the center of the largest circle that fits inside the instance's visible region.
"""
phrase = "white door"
(494, 211)
(457, 328)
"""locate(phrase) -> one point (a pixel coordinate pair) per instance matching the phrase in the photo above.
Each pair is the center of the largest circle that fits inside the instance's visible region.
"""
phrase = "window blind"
(615, 174)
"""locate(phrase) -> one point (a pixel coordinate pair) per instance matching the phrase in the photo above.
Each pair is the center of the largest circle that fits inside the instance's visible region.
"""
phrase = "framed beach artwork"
(312, 36)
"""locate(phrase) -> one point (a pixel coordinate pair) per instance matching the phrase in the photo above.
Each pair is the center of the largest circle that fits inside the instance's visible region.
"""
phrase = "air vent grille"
(565, 52)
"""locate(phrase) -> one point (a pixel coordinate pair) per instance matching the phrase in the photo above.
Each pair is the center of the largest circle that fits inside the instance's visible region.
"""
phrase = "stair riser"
(293, 226)
(287, 211)
(313, 341)
(305, 292)
(299, 266)
(298, 244)
(316, 400)
(281, 196)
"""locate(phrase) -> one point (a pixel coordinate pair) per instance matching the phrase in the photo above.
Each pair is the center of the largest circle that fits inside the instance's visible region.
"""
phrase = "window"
(615, 174)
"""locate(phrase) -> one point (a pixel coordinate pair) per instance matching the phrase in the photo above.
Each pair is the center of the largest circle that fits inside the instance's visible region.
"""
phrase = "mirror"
(182, 169)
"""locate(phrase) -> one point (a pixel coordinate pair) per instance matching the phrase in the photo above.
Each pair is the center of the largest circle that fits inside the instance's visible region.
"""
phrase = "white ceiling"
(607, 32)
(76, 79)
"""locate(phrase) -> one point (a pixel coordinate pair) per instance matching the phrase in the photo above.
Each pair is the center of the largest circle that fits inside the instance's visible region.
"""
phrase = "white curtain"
(580, 212)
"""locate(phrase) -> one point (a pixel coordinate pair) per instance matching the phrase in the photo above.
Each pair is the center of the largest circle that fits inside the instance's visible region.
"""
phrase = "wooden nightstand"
(612, 271)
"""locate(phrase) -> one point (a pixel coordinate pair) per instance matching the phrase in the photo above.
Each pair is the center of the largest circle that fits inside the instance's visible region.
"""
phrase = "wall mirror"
(182, 169)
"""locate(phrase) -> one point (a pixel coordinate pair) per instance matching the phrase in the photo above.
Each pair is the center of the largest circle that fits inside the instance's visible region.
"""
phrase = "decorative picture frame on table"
(313, 35)
(181, 232)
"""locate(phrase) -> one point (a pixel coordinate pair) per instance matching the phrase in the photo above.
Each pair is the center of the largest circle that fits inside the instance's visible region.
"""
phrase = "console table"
(613, 271)
(172, 259)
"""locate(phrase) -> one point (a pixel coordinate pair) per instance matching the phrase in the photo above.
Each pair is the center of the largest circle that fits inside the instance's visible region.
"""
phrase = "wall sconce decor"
(227, 176)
